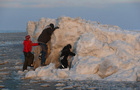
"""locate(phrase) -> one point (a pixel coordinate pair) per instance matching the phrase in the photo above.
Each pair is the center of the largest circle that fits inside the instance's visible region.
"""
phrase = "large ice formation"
(103, 52)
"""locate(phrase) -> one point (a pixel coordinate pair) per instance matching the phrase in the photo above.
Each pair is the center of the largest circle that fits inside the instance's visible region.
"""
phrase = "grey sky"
(14, 14)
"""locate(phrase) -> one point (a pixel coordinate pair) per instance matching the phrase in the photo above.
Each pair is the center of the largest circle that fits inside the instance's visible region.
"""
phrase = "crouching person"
(65, 52)
(29, 57)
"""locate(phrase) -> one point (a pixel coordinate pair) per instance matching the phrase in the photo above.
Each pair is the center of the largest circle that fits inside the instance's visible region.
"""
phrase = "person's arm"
(55, 28)
(72, 54)
(34, 44)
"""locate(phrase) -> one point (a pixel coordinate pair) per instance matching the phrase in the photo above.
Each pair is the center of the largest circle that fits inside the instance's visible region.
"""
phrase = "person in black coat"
(65, 52)
(43, 39)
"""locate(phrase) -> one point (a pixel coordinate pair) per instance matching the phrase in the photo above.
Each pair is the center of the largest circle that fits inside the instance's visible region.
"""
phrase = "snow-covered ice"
(60, 84)
(45, 85)
(103, 52)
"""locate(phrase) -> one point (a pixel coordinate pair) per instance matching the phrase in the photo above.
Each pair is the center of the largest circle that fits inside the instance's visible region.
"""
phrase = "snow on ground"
(103, 52)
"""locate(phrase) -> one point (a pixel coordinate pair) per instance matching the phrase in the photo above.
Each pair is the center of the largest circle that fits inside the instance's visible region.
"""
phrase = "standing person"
(65, 52)
(43, 39)
(29, 57)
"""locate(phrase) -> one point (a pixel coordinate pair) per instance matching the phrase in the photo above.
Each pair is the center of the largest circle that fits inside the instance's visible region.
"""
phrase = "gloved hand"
(40, 43)
(56, 27)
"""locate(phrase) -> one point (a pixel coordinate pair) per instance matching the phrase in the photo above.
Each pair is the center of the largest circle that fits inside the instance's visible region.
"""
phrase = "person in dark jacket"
(65, 52)
(29, 57)
(43, 39)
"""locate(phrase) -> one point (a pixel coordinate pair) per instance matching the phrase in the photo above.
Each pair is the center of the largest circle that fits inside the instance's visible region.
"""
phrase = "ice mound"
(103, 52)
(48, 72)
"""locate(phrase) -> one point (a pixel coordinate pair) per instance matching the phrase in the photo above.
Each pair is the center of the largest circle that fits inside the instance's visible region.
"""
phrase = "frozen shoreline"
(13, 81)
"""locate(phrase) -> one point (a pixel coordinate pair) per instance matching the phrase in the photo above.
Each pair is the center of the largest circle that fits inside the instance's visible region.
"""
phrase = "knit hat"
(52, 25)
(27, 37)
(69, 46)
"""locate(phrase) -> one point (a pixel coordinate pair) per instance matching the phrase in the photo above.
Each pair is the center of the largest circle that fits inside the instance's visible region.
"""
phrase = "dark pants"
(64, 63)
(29, 58)
(44, 53)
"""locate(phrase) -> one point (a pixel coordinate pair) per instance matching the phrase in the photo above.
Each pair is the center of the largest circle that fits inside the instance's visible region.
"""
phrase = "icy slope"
(102, 51)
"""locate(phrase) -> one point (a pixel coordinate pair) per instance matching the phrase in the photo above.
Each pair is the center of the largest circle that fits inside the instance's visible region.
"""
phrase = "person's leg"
(64, 63)
(61, 67)
(44, 53)
(25, 62)
(31, 59)
(43, 59)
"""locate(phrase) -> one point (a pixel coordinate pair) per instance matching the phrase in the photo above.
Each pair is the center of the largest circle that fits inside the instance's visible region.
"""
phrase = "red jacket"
(28, 45)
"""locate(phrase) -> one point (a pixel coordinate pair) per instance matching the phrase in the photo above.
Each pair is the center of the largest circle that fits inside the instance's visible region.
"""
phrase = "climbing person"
(43, 39)
(29, 57)
(65, 52)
